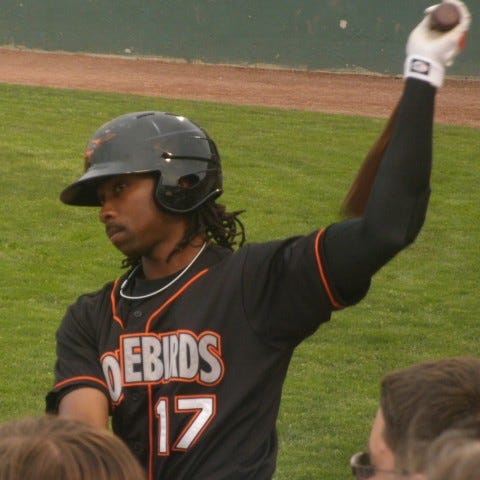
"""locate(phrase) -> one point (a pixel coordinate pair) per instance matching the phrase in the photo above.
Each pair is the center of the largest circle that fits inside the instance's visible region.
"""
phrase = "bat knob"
(445, 17)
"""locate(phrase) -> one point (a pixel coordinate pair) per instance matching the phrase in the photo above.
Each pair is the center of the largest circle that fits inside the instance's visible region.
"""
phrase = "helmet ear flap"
(163, 195)
(188, 192)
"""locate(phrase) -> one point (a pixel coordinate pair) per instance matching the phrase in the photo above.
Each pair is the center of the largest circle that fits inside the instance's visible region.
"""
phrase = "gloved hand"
(429, 51)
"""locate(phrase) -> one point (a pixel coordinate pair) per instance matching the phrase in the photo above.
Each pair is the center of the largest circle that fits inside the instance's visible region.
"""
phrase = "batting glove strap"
(423, 68)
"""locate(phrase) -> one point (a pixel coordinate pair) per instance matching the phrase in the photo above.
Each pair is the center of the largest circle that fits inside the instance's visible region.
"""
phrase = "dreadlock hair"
(218, 225)
(212, 221)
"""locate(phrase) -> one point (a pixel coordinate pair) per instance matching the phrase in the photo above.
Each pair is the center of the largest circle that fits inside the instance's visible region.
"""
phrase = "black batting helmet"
(179, 151)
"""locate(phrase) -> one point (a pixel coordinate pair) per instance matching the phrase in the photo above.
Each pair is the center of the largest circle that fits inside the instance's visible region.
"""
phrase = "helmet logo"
(93, 145)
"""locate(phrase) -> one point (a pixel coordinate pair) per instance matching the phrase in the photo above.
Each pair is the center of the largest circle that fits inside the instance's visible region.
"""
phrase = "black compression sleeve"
(356, 248)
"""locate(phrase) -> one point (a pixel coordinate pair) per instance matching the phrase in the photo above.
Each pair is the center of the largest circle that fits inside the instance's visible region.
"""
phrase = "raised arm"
(357, 248)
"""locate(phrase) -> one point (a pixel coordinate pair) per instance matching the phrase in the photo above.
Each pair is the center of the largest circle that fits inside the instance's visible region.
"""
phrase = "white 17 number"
(203, 411)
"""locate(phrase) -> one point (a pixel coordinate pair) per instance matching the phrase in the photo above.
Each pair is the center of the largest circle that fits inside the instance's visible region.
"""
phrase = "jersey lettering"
(111, 372)
(149, 358)
(202, 410)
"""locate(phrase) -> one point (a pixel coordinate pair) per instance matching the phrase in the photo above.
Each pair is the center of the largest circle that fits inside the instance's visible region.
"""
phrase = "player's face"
(133, 221)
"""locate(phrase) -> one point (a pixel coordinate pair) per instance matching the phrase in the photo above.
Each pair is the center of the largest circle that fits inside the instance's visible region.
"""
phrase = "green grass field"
(290, 171)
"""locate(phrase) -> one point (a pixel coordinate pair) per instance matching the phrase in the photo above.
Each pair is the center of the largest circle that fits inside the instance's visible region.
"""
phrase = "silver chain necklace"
(169, 284)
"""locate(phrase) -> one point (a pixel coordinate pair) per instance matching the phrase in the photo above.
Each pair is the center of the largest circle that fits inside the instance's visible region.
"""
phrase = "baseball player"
(188, 350)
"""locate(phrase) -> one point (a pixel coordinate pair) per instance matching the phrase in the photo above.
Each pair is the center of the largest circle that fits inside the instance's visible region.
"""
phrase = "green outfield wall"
(341, 35)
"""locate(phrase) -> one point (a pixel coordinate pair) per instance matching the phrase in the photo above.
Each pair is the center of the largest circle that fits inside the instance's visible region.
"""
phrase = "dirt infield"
(369, 95)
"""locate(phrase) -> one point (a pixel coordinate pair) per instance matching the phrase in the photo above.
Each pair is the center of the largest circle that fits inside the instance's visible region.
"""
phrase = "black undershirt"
(357, 248)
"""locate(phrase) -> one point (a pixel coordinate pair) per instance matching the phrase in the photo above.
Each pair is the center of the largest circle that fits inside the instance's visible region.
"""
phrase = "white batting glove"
(429, 51)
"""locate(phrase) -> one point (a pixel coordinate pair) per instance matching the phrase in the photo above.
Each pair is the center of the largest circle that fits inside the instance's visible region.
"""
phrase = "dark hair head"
(420, 402)
(52, 447)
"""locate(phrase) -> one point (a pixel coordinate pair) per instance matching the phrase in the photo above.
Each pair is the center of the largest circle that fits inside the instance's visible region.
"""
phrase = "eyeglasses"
(363, 469)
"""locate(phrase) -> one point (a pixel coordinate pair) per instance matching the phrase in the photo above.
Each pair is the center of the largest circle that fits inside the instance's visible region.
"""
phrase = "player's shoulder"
(95, 297)
(278, 245)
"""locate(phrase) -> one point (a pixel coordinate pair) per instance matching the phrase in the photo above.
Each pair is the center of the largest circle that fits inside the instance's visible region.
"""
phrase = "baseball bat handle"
(442, 19)
(357, 196)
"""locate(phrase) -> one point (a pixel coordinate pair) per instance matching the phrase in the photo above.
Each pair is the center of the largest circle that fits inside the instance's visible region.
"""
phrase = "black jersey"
(194, 374)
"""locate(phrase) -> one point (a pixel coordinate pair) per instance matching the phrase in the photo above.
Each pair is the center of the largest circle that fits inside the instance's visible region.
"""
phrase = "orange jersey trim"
(150, 393)
(80, 379)
(151, 433)
(321, 270)
(173, 297)
(170, 300)
(151, 453)
(114, 305)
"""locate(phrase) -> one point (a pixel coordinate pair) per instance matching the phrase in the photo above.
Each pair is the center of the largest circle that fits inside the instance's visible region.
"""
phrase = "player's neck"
(165, 263)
